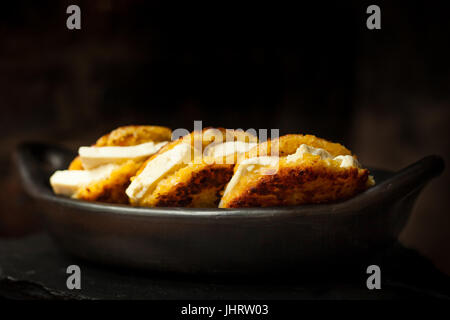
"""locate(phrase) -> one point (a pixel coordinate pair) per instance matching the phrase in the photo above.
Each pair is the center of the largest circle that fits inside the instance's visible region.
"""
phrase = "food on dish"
(215, 167)
(102, 172)
(191, 171)
(295, 170)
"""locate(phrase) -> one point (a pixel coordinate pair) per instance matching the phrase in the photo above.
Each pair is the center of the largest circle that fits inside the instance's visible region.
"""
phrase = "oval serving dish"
(223, 240)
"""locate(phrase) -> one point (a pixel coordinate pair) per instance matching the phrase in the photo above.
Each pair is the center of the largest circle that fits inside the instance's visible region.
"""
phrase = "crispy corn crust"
(112, 189)
(133, 135)
(198, 183)
(306, 181)
(76, 164)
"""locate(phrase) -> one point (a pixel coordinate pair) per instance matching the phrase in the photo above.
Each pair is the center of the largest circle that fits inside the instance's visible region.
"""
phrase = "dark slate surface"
(33, 267)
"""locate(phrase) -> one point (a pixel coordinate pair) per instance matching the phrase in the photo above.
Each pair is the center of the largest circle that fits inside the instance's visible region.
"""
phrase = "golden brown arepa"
(308, 170)
(102, 172)
(191, 171)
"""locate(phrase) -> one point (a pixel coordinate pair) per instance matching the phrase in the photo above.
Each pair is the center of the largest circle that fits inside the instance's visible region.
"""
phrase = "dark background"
(305, 69)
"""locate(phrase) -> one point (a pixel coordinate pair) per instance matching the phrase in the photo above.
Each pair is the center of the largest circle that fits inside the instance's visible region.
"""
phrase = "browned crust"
(201, 188)
(310, 180)
(112, 189)
(299, 185)
(133, 135)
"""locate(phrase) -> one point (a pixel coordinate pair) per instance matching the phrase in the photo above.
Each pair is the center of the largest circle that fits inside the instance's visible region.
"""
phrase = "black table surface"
(33, 267)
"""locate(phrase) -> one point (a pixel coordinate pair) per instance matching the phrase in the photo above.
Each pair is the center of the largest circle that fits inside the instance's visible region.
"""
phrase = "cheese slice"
(92, 157)
(228, 148)
(248, 165)
(67, 182)
(157, 169)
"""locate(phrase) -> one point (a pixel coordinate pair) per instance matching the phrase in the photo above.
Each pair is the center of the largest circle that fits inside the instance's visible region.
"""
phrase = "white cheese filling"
(157, 169)
(67, 182)
(346, 161)
(92, 157)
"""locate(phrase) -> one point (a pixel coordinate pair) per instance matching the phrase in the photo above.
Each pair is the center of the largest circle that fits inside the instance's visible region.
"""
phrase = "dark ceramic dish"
(223, 240)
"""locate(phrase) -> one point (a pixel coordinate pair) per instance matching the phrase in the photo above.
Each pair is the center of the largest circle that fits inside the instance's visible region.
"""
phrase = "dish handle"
(35, 163)
(407, 180)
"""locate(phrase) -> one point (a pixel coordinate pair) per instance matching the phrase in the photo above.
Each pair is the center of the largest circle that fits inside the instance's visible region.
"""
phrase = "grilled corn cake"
(294, 170)
(102, 172)
(191, 171)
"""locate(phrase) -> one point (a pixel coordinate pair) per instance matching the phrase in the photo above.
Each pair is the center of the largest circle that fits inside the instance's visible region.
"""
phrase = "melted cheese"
(347, 161)
(307, 149)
